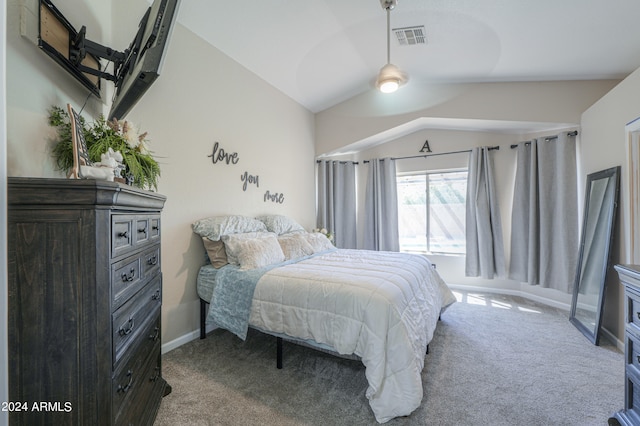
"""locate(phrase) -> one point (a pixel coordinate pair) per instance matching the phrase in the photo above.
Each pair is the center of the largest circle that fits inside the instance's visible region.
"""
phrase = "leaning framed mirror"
(601, 201)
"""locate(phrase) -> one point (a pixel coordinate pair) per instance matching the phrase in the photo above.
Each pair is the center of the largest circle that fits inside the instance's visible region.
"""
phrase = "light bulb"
(389, 86)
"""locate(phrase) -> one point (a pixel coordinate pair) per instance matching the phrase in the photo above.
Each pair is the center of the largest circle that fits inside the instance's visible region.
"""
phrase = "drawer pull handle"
(155, 227)
(155, 335)
(143, 230)
(638, 357)
(153, 260)
(130, 276)
(638, 314)
(156, 376)
(123, 234)
(126, 387)
(156, 295)
(130, 324)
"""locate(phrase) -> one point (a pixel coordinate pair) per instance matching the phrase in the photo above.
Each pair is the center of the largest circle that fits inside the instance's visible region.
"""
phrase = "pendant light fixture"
(390, 77)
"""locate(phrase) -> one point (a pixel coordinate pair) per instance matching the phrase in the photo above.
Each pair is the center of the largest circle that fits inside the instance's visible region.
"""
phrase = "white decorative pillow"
(280, 224)
(253, 251)
(216, 226)
(232, 247)
(295, 246)
(318, 241)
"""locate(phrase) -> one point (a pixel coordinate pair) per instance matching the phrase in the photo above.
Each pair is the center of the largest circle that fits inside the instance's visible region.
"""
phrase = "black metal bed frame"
(203, 332)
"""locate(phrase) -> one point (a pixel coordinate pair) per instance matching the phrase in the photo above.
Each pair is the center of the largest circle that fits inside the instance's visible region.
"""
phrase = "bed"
(382, 307)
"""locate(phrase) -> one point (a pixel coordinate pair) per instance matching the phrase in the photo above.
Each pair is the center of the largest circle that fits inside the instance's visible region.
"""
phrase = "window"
(431, 212)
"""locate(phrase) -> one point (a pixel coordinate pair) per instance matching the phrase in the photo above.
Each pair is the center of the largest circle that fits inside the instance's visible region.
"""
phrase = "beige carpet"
(494, 360)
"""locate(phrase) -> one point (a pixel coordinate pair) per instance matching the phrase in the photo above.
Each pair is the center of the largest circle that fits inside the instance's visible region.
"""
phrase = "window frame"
(425, 174)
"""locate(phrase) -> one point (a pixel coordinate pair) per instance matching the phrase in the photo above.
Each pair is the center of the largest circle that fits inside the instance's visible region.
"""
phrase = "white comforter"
(381, 306)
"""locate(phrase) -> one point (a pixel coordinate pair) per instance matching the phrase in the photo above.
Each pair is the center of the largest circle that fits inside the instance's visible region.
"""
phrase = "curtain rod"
(548, 138)
(340, 162)
(491, 148)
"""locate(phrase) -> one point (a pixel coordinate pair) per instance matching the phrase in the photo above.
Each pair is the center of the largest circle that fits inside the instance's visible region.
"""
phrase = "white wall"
(35, 83)
(201, 97)
(604, 145)
(4, 356)
(547, 102)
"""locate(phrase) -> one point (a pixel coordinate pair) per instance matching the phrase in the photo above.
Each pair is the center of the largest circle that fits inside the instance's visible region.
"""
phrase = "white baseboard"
(613, 339)
(186, 338)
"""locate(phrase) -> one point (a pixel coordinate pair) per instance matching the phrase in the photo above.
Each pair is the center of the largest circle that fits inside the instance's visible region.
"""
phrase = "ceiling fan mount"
(390, 77)
(388, 4)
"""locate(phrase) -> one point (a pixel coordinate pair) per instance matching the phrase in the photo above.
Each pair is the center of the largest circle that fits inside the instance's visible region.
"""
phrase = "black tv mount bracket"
(81, 46)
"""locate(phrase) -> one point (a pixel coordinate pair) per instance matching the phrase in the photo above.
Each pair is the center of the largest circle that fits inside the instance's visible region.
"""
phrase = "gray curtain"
(485, 248)
(544, 224)
(381, 207)
(336, 203)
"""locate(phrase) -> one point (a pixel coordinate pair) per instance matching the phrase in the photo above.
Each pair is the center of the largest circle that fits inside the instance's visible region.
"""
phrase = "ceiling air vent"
(410, 35)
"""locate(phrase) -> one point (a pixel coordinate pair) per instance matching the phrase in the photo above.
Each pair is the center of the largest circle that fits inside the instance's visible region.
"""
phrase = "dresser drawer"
(130, 321)
(632, 388)
(135, 386)
(145, 342)
(126, 279)
(143, 231)
(150, 261)
(122, 236)
(131, 232)
(129, 275)
(633, 310)
(155, 228)
(632, 352)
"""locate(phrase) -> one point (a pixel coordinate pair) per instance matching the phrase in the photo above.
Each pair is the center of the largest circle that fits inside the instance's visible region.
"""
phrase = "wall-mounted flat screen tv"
(145, 56)
(134, 70)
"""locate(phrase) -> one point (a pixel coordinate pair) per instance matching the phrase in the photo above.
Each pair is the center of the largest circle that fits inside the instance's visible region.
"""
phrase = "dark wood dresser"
(630, 278)
(85, 292)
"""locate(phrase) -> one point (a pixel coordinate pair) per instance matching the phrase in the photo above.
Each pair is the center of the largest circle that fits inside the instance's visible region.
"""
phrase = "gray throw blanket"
(231, 300)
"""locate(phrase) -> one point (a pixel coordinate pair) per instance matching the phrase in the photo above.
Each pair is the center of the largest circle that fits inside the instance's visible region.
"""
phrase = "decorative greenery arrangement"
(140, 166)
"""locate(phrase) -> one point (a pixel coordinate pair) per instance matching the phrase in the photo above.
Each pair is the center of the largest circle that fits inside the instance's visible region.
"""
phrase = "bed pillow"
(318, 241)
(295, 246)
(254, 250)
(216, 252)
(216, 226)
(280, 224)
(232, 248)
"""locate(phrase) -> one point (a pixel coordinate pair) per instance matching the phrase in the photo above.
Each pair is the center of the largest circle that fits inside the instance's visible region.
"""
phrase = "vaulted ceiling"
(323, 52)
